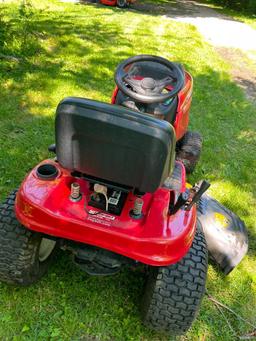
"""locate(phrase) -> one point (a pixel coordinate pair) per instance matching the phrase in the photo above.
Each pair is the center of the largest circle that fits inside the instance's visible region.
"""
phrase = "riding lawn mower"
(119, 3)
(116, 195)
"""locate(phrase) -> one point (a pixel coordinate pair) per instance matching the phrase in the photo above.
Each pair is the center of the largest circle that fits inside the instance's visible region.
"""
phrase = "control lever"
(181, 201)
(190, 197)
(196, 192)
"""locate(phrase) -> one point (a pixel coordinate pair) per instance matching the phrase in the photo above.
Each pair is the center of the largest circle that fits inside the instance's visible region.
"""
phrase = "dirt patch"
(242, 74)
(232, 39)
(179, 9)
(149, 8)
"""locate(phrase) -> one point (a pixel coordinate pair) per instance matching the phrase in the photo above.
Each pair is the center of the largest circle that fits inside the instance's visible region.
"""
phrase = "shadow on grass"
(109, 307)
(171, 8)
(27, 124)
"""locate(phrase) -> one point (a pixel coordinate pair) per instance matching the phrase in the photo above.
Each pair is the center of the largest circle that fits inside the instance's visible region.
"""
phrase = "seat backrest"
(114, 143)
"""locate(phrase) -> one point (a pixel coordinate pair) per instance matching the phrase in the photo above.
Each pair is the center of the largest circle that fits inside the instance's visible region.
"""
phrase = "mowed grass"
(54, 50)
(242, 16)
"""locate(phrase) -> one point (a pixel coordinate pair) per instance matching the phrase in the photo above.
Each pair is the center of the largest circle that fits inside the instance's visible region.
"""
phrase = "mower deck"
(156, 239)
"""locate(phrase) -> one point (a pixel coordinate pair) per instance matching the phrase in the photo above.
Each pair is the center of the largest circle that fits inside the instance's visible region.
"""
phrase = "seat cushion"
(114, 143)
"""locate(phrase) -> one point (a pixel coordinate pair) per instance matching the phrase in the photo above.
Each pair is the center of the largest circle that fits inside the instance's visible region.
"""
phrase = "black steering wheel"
(148, 89)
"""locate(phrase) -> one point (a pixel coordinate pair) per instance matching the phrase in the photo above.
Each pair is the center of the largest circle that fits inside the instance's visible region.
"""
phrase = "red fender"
(157, 239)
(184, 103)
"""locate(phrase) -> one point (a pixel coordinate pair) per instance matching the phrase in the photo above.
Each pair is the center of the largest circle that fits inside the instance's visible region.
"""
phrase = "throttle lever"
(196, 193)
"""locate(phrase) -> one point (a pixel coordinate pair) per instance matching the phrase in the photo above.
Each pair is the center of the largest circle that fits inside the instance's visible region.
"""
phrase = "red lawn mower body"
(183, 109)
(114, 2)
(158, 239)
(115, 195)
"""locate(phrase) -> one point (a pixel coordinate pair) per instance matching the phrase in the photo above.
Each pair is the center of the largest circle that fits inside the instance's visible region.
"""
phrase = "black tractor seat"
(114, 143)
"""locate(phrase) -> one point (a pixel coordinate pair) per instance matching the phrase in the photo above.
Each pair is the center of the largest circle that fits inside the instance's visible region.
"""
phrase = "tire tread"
(18, 248)
(174, 293)
(189, 149)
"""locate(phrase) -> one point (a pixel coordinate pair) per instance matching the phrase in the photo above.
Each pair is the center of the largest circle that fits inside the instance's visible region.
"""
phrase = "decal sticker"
(221, 220)
(27, 210)
(115, 197)
(101, 218)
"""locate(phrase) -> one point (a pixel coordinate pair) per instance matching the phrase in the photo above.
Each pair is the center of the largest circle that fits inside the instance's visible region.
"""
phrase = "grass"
(248, 18)
(53, 50)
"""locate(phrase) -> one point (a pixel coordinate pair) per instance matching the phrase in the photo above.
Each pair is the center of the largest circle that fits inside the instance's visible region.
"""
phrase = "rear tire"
(189, 149)
(173, 294)
(122, 3)
(24, 255)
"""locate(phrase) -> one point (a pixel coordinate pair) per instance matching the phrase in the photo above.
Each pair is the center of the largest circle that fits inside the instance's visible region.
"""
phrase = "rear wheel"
(24, 255)
(189, 149)
(122, 3)
(173, 294)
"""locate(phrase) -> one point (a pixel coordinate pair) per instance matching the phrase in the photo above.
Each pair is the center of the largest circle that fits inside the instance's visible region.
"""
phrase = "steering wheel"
(148, 89)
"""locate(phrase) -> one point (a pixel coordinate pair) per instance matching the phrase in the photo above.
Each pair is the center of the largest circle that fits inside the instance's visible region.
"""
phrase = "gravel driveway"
(235, 41)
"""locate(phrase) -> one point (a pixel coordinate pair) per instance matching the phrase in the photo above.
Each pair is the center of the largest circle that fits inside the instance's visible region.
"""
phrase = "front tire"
(188, 150)
(24, 255)
(173, 294)
(122, 3)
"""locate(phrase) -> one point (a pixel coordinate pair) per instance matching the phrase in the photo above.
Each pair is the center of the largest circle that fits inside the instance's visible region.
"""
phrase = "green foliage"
(17, 37)
(247, 5)
(239, 5)
(238, 14)
(4, 29)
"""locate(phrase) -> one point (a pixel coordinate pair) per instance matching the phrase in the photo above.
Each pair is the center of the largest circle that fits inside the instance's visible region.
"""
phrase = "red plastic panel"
(115, 92)
(157, 239)
(113, 2)
(109, 2)
(185, 99)
(184, 103)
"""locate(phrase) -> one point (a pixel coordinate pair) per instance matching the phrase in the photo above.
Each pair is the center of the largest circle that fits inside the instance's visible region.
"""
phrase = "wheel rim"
(45, 249)
(122, 3)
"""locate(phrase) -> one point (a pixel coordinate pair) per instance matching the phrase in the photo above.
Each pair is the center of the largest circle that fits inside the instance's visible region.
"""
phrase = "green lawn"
(242, 16)
(65, 49)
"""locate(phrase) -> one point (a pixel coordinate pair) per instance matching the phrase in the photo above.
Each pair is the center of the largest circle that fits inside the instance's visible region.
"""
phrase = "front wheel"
(173, 294)
(188, 150)
(122, 3)
(24, 255)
